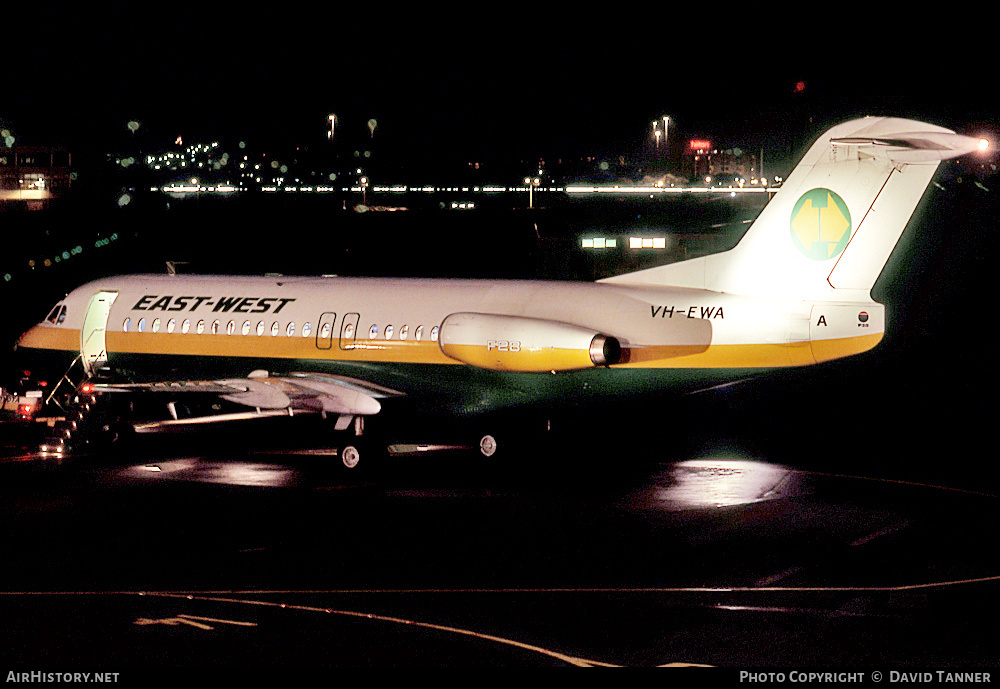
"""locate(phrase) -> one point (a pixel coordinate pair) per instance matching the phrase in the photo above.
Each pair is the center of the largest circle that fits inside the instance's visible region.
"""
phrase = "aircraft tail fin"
(828, 232)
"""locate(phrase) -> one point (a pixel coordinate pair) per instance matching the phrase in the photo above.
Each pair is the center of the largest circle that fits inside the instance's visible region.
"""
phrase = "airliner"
(795, 291)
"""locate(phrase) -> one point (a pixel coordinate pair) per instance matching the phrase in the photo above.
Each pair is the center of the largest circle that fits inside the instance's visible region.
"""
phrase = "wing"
(298, 392)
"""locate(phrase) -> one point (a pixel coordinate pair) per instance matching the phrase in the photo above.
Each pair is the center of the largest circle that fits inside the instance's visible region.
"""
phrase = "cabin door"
(324, 330)
(92, 342)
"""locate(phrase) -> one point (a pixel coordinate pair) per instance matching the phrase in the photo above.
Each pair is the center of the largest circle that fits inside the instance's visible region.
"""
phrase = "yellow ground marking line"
(572, 660)
(640, 589)
(900, 482)
(596, 589)
(217, 597)
(191, 620)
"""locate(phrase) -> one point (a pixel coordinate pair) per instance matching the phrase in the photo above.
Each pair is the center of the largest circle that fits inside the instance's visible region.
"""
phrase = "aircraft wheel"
(488, 446)
(350, 456)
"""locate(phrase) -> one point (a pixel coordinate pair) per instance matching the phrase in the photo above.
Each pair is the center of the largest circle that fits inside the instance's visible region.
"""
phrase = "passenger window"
(274, 329)
(260, 328)
(171, 324)
(290, 328)
(246, 327)
(418, 334)
(156, 325)
(230, 327)
(373, 332)
(142, 324)
(434, 333)
(404, 332)
(186, 326)
(127, 324)
(306, 329)
(388, 332)
(215, 327)
(201, 327)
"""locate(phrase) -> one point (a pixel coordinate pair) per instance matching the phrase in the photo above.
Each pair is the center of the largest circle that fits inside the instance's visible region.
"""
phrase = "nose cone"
(51, 339)
(34, 338)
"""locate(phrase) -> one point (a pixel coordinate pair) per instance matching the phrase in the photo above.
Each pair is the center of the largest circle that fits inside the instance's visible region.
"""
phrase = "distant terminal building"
(32, 175)
(708, 165)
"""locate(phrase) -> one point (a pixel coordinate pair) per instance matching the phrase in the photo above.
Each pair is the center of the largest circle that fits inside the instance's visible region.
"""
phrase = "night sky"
(478, 83)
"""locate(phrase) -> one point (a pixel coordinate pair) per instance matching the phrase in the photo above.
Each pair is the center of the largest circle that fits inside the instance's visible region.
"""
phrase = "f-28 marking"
(704, 312)
(152, 302)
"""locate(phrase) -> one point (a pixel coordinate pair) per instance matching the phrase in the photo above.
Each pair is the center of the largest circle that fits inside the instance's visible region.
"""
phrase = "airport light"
(532, 183)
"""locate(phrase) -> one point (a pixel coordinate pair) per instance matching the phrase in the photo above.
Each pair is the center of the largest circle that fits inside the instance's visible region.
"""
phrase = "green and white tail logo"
(821, 224)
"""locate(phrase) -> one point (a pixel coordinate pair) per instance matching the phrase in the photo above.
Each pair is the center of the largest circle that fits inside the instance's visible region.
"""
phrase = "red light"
(87, 387)
(699, 144)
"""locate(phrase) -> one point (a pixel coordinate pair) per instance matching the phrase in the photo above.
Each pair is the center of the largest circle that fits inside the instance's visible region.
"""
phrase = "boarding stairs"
(71, 380)
(77, 404)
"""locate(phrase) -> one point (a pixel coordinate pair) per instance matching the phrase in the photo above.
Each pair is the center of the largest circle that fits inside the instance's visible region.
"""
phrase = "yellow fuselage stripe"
(428, 352)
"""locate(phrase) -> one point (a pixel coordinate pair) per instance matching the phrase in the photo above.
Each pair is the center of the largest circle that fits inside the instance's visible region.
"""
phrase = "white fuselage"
(398, 320)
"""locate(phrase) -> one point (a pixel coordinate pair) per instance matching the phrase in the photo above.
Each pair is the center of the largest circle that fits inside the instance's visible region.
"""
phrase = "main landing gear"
(353, 448)
(488, 446)
(350, 456)
(505, 440)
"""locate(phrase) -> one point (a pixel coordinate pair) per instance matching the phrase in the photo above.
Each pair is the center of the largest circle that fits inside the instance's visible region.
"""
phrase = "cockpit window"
(57, 315)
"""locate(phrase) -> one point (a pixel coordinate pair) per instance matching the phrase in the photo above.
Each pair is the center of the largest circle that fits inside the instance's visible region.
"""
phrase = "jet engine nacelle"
(530, 345)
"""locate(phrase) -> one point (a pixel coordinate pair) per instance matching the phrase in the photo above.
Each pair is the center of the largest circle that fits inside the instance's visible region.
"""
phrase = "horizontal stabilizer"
(915, 147)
